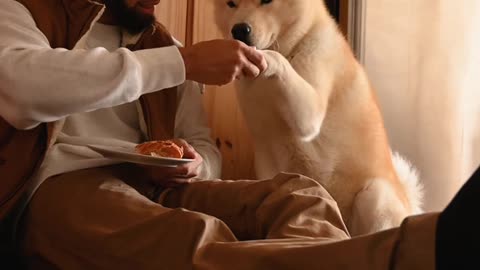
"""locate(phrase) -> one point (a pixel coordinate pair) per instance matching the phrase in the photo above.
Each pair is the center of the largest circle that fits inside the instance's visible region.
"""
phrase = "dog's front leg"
(299, 103)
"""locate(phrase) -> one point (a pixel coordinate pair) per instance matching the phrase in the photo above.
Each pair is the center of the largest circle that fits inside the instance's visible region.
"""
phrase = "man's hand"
(169, 177)
(219, 62)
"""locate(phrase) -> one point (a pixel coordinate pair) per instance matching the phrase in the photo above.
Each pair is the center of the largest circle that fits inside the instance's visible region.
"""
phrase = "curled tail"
(408, 175)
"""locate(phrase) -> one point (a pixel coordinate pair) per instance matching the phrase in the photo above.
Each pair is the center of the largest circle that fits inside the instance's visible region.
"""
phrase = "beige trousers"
(93, 219)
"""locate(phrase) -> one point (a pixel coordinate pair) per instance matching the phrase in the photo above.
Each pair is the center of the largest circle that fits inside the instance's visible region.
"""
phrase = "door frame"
(356, 27)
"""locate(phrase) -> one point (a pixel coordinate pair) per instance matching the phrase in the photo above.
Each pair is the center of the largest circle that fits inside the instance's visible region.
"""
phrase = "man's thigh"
(92, 219)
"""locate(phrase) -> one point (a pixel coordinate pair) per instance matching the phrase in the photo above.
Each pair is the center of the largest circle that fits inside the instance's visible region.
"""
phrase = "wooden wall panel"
(225, 118)
(173, 14)
(344, 17)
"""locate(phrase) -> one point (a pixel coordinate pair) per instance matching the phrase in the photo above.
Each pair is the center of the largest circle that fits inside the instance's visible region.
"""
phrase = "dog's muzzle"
(242, 32)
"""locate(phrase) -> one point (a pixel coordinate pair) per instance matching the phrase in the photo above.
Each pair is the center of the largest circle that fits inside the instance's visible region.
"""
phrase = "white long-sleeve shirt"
(40, 84)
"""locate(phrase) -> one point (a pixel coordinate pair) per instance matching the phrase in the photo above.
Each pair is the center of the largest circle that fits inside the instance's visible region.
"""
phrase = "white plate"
(128, 155)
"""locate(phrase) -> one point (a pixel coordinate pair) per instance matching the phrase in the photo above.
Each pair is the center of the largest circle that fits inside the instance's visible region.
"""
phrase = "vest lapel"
(159, 108)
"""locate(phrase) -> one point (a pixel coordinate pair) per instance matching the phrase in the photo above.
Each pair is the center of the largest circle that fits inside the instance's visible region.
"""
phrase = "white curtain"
(423, 58)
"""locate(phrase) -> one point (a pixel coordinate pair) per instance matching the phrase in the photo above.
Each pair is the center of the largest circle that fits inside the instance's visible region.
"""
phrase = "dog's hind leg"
(376, 207)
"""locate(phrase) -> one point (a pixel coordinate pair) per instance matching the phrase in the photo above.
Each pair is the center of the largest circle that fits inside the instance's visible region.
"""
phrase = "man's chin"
(133, 19)
(140, 23)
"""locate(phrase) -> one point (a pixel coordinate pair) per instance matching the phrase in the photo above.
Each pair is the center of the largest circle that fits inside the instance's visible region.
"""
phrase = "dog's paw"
(276, 64)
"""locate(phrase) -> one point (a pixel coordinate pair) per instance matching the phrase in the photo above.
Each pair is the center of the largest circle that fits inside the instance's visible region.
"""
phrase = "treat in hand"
(160, 149)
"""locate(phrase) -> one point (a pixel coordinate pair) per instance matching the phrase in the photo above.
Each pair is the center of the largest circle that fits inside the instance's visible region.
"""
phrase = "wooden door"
(339, 10)
(191, 21)
(173, 14)
(225, 118)
(228, 127)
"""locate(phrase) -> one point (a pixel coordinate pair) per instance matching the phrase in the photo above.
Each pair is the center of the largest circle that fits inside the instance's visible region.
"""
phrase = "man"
(62, 66)
(91, 93)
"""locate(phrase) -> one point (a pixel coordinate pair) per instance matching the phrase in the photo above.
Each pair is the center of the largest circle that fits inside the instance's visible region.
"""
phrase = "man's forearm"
(41, 84)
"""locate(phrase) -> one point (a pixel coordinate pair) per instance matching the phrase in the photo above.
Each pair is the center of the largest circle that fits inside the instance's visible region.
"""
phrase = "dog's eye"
(231, 4)
(265, 2)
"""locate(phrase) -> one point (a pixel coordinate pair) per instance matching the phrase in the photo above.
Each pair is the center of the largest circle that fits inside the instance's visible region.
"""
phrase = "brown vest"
(64, 22)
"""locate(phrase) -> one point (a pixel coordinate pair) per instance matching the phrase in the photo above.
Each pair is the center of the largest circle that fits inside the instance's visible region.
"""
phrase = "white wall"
(423, 57)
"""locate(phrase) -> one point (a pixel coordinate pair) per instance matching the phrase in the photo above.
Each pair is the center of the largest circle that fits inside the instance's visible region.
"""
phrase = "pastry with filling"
(166, 149)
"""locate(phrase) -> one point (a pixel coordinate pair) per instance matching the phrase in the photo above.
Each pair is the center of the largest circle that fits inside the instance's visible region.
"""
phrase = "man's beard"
(128, 18)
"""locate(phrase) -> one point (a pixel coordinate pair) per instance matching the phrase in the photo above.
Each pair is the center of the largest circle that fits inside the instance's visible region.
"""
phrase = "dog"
(313, 111)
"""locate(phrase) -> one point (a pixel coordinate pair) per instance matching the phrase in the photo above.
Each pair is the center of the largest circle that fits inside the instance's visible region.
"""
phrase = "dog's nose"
(242, 32)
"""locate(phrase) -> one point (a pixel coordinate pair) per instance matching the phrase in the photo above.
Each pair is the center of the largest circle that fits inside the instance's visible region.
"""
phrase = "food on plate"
(160, 149)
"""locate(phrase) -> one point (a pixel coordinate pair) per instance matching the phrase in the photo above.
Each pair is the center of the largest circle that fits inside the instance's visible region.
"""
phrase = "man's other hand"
(174, 176)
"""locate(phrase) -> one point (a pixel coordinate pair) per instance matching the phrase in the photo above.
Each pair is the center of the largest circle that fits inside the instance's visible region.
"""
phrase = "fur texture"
(314, 112)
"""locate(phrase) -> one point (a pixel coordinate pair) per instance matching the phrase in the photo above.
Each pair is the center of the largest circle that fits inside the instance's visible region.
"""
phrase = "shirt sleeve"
(191, 125)
(40, 84)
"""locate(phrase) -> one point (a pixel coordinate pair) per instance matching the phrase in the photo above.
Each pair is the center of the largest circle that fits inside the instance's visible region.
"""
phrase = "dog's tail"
(408, 176)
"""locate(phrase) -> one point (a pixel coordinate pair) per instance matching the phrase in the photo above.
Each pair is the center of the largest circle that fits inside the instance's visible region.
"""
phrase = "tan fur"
(314, 112)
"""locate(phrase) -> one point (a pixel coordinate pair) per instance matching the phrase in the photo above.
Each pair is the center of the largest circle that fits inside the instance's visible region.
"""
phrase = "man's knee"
(299, 184)
(298, 206)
